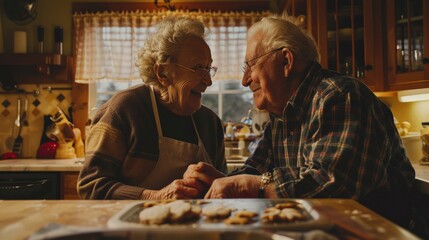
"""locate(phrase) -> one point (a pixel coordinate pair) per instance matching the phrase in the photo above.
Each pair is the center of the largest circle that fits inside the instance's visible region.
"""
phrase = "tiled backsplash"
(42, 100)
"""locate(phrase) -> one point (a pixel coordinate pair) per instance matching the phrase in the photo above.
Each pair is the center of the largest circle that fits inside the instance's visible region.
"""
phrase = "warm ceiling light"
(413, 95)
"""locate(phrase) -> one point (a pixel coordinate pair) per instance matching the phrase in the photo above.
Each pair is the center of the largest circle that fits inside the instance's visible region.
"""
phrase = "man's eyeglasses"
(200, 71)
(247, 64)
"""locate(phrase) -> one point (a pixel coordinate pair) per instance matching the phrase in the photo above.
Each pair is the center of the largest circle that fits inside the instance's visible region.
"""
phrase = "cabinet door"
(69, 185)
(346, 38)
(408, 43)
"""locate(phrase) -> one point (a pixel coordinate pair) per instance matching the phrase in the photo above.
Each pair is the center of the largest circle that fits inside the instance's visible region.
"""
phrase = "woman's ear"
(161, 75)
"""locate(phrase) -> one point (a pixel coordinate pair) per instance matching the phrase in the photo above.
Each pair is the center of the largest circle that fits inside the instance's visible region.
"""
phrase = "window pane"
(105, 90)
(233, 85)
(102, 98)
(214, 88)
(236, 106)
(211, 101)
(226, 96)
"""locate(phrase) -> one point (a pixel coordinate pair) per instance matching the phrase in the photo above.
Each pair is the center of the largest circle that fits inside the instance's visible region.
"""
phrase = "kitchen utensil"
(24, 113)
(46, 134)
(17, 146)
(10, 139)
(18, 114)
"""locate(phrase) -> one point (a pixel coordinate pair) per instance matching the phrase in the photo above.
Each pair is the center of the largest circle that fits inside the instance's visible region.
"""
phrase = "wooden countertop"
(422, 177)
(74, 165)
(41, 165)
(21, 219)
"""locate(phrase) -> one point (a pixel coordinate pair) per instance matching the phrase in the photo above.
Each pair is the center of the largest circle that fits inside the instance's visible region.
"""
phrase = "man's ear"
(161, 75)
(287, 61)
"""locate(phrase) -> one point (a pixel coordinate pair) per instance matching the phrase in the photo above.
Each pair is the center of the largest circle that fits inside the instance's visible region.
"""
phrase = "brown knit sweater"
(122, 144)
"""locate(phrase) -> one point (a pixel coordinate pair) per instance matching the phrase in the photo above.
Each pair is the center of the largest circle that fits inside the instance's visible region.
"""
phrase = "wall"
(52, 13)
(44, 103)
(414, 112)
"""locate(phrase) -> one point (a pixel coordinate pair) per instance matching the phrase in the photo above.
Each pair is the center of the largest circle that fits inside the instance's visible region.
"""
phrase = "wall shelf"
(36, 68)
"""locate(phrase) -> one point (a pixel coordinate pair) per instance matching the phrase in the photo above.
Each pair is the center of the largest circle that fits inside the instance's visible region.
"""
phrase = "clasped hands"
(208, 182)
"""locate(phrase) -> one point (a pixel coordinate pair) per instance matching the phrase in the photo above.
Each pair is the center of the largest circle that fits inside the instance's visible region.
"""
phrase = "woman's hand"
(203, 172)
(200, 176)
(239, 186)
(178, 189)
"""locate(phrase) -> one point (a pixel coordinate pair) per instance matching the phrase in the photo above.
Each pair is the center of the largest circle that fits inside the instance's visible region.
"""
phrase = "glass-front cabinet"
(408, 43)
(346, 39)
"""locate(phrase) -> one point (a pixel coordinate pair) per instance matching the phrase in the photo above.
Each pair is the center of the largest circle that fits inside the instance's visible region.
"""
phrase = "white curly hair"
(162, 46)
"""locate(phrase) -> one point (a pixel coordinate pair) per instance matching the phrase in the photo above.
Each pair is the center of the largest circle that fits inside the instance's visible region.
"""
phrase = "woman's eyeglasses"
(200, 71)
(247, 64)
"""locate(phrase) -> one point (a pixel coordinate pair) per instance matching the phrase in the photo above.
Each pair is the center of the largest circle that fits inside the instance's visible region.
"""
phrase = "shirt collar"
(300, 100)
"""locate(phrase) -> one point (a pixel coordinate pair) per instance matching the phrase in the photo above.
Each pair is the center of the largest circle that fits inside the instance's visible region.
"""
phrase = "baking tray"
(128, 217)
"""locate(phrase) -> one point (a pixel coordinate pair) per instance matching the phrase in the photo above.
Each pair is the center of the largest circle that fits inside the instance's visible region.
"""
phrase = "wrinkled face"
(188, 80)
(265, 76)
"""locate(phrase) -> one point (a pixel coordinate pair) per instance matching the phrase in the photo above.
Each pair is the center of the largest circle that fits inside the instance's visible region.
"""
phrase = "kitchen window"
(227, 97)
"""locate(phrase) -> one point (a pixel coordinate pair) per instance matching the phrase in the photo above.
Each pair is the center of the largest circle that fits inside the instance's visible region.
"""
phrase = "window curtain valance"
(107, 43)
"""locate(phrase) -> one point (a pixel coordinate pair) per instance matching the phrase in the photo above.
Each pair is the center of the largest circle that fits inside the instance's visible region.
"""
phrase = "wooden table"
(21, 219)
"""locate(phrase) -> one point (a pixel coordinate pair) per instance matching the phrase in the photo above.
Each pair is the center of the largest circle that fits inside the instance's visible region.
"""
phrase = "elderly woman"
(142, 140)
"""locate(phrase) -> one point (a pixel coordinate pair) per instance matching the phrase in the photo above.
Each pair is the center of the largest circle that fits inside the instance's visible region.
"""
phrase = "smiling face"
(266, 77)
(186, 86)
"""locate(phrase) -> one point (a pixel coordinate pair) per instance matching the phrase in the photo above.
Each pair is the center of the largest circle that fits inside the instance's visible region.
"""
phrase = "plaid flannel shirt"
(334, 139)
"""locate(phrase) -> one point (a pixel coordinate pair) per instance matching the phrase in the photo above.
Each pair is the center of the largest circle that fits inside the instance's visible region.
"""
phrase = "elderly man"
(329, 135)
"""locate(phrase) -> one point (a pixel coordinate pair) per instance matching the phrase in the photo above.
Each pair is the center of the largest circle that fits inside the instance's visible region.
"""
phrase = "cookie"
(216, 212)
(271, 209)
(271, 215)
(179, 210)
(290, 215)
(194, 213)
(235, 220)
(286, 205)
(155, 215)
(246, 214)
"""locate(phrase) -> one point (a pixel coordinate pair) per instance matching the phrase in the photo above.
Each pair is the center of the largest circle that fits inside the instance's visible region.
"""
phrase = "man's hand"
(239, 186)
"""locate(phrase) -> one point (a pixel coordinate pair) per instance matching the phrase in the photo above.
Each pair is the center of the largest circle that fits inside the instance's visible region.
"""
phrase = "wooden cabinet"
(68, 185)
(37, 68)
(408, 44)
(348, 35)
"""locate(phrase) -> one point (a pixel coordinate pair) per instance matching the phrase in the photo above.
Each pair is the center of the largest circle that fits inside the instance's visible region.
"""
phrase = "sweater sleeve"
(106, 148)
(120, 148)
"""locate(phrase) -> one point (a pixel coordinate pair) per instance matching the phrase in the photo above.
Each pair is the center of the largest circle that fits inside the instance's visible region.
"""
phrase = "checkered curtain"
(107, 43)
